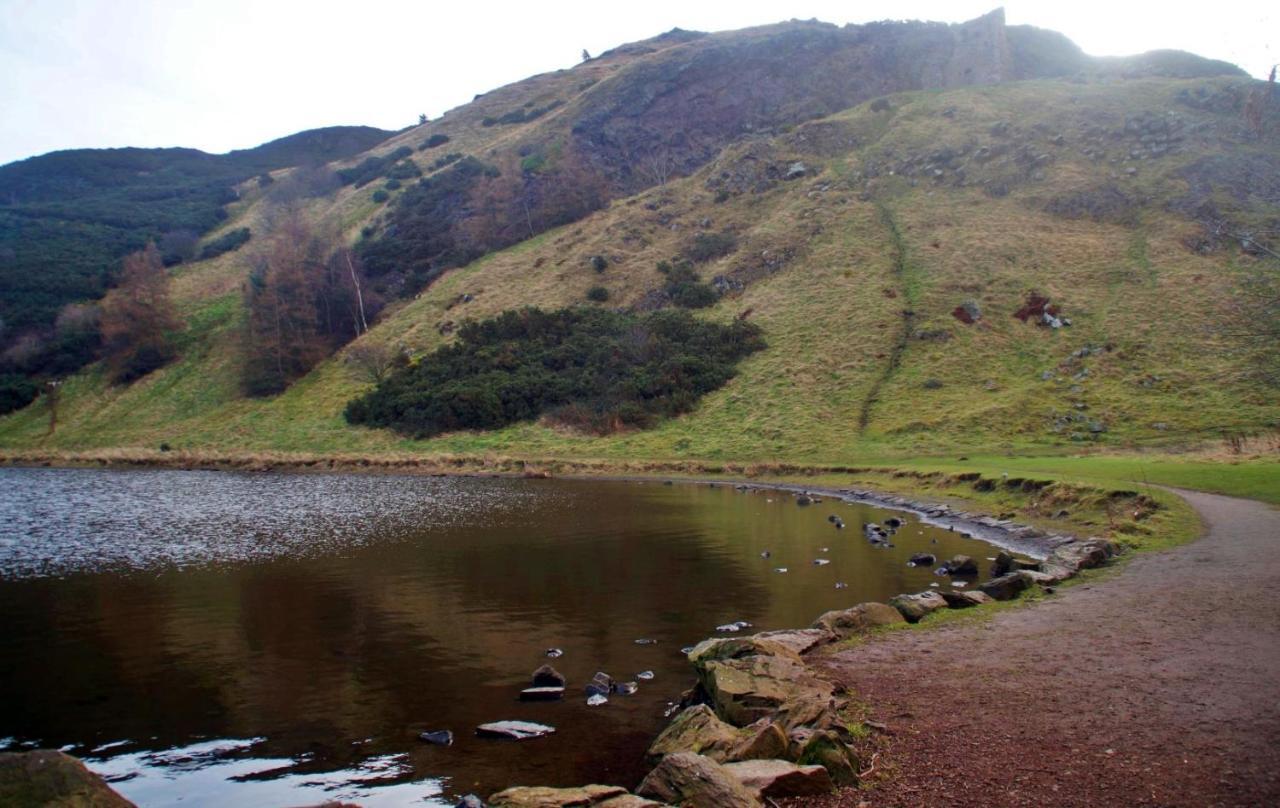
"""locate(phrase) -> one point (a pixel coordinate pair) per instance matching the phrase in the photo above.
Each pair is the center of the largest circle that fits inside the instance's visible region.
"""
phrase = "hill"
(951, 238)
(66, 218)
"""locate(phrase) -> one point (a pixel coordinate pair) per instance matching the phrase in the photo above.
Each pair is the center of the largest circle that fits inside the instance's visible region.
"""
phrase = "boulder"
(470, 801)
(1003, 564)
(859, 619)
(513, 730)
(798, 641)
(957, 599)
(1086, 554)
(824, 748)
(695, 780)
(745, 690)
(916, 607)
(762, 740)
(542, 694)
(581, 797)
(547, 676)
(50, 778)
(779, 778)
(738, 648)
(923, 559)
(1056, 572)
(961, 565)
(696, 729)
(1007, 587)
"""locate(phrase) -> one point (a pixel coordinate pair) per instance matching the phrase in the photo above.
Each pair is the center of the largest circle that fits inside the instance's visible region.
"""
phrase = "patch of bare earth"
(1159, 685)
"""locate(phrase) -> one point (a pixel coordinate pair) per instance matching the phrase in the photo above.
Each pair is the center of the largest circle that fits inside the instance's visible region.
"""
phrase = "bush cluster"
(438, 139)
(709, 246)
(373, 168)
(522, 115)
(225, 243)
(590, 367)
(684, 287)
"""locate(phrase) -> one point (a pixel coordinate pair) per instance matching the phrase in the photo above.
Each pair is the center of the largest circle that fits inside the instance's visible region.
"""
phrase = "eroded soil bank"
(1158, 685)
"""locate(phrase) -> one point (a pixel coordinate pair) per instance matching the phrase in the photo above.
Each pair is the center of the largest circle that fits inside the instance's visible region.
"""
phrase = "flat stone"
(696, 729)
(542, 694)
(1009, 586)
(964, 600)
(542, 797)
(513, 730)
(800, 640)
(440, 737)
(779, 778)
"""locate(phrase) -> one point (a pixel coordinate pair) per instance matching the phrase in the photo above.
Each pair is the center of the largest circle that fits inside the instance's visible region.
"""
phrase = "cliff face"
(680, 104)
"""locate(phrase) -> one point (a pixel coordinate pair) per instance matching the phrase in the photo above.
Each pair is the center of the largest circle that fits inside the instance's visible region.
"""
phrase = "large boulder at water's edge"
(1009, 586)
(779, 778)
(697, 781)
(859, 619)
(581, 797)
(916, 607)
(698, 730)
(51, 778)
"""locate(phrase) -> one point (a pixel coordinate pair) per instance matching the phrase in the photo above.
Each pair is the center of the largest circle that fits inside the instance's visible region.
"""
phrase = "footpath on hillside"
(1159, 685)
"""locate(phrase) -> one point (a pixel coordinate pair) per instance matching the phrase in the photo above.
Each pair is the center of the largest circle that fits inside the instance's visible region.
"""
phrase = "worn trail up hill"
(1159, 685)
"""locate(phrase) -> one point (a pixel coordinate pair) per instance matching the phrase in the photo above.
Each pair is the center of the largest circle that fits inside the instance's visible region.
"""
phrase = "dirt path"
(1157, 686)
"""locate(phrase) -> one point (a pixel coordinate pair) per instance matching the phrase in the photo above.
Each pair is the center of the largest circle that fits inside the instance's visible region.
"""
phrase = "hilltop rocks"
(860, 618)
(688, 779)
(51, 778)
(918, 606)
(778, 778)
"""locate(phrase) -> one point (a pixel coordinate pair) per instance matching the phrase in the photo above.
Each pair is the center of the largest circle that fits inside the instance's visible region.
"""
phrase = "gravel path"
(1159, 685)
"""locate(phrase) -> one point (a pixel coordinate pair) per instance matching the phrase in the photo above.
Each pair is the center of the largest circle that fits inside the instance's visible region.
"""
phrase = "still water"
(205, 638)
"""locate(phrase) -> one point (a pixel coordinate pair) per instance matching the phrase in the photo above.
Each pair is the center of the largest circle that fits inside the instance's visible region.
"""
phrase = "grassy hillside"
(966, 196)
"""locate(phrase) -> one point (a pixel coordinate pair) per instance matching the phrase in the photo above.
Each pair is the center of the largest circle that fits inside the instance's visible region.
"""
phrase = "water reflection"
(328, 619)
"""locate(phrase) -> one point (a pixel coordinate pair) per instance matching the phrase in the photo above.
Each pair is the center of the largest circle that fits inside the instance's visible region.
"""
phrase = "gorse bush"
(373, 168)
(438, 139)
(231, 240)
(684, 287)
(598, 294)
(709, 246)
(588, 367)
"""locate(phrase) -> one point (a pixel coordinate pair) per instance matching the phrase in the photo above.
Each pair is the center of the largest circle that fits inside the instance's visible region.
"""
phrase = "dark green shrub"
(391, 185)
(264, 180)
(438, 139)
(225, 243)
(533, 164)
(380, 196)
(599, 263)
(16, 392)
(589, 367)
(165, 447)
(372, 168)
(684, 287)
(441, 162)
(709, 246)
(598, 294)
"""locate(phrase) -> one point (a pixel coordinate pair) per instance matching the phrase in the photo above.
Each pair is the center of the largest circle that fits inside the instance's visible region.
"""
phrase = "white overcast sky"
(227, 74)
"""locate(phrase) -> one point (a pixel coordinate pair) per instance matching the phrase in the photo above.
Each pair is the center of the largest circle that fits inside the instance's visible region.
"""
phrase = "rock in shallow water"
(542, 694)
(439, 737)
(547, 676)
(513, 730)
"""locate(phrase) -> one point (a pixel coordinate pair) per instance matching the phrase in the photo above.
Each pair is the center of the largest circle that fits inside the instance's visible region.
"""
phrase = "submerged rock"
(685, 778)
(960, 565)
(597, 699)
(923, 559)
(645, 675)
(439, 737)
(542, 694)
(547, 676)
(513, 730)
(554, 653)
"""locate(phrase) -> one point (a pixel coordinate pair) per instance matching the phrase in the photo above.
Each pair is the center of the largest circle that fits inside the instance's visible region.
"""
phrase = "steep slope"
(863, 242)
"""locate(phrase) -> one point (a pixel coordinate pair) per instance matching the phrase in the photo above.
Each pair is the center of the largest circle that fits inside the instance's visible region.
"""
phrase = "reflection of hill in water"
(341, 654)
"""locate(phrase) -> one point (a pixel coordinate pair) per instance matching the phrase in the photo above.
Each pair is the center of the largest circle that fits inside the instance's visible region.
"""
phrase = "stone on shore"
(763, 739)
(594, 796)
(1009, 586)
(696, 729)
(745, 690)
(799, 640)
(48, 777)
(961, 565)
(824, 748)
(780, 778)
(962, 600)
(918, 606)
(695, 780)
(859, 619)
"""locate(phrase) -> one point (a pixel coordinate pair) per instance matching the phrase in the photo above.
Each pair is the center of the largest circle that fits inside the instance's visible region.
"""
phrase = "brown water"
(205, 638)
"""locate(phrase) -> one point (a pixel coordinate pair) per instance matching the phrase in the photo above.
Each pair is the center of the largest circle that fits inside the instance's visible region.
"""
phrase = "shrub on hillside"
(709, 246)
(586, 366)
(231, 240)
(16, 392)
(598, 294)
(438, 139)
(684, 287)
